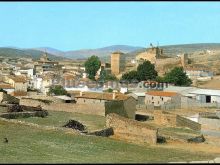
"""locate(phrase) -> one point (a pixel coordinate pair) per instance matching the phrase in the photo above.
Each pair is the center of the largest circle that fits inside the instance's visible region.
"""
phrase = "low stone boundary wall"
(184, 122)
(211, 115)
(105, 132)
(94, 109)
(164, 118)
(131, 130)
(15, 115)
(173, 120)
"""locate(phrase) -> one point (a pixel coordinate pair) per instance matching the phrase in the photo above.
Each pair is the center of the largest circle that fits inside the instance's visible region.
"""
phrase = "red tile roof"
(6, 86)
(19, 93)
(18, 78)
(161, 93)
(100, 96)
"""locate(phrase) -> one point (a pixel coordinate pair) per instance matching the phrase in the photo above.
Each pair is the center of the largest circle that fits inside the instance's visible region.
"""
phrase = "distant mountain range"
(13, 52)
(85, 53)
(103, 53)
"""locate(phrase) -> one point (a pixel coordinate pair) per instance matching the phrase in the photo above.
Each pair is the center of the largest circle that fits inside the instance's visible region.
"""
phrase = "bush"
(57, 90)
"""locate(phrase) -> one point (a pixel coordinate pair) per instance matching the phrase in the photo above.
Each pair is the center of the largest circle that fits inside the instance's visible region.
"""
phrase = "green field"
(32, 145)
(59, 118)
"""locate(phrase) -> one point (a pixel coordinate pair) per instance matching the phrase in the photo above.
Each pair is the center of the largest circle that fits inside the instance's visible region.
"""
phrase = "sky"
(86, 25)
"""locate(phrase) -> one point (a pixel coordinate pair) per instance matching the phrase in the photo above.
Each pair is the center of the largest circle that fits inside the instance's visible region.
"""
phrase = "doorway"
(208, 99)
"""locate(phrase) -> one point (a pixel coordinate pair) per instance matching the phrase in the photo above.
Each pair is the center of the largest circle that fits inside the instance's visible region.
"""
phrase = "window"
(152, 98)
(162, 98)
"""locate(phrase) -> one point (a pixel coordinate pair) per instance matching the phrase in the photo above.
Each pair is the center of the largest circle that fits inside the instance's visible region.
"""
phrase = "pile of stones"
(75, 125)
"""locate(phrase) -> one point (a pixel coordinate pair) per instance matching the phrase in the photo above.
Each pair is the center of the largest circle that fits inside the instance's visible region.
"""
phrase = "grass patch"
(32, 145)
(41, 100)
(60, 118)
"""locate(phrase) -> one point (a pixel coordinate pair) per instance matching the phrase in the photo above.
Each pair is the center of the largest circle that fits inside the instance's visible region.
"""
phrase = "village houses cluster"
(25, 77)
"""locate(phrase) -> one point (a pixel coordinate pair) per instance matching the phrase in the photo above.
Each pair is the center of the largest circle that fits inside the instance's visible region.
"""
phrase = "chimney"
(113, 96)
(81, 93)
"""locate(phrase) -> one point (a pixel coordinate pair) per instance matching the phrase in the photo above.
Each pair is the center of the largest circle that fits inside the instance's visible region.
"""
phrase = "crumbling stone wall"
(164, 118)
(131, 130)
(184, 122)
(15, 115)
(173, 120)
(104, 132)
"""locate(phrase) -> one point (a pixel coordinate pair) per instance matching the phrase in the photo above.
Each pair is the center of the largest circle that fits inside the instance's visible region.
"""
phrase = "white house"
(207, 95)
(198, 73)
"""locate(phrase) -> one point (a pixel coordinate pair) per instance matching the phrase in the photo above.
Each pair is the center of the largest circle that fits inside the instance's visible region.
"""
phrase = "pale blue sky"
(78, 25)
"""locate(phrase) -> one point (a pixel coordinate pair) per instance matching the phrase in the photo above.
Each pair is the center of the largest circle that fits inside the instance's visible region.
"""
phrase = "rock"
(75, 125)
(161, 139)
(105, 132)
(198, 139)
(14, 108)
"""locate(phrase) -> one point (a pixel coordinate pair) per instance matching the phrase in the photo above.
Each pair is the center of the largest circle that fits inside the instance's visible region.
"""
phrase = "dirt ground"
(212, 84)
(210, 146)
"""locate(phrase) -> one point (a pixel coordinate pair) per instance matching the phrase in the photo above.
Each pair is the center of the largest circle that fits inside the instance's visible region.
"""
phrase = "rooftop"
(5, 86)
(18, 78)
(160, 93)
(211, 92)
(100, 96)
(63, 97)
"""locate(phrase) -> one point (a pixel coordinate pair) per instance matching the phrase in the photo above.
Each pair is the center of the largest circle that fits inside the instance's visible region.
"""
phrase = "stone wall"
(95, 109)
(15, 115)
(130, 107)
(89, 101)
(124, 108)
(104, 132)
(184, 122)
(164, 118)
(173, 120)
(131, 130)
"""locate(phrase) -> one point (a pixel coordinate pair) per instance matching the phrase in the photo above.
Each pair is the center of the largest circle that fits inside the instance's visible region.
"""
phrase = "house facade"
(108, 103)
(159, 98)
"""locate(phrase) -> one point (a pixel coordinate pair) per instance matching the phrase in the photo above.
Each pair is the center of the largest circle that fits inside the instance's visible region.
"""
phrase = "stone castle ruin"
(161, 60)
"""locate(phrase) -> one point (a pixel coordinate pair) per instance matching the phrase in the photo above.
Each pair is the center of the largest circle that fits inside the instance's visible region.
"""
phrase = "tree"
(104, 76)
(146, 71)
(130, 76)
(92, 65)
(57, 90)
(160, 79)
(178, 77)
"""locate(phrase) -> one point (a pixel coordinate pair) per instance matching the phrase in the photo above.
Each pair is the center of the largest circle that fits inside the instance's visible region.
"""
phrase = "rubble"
(75, 125)
(14, 108)
(198, 139)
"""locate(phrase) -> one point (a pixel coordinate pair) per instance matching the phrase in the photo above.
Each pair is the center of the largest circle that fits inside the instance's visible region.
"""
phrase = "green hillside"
(26, 53)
